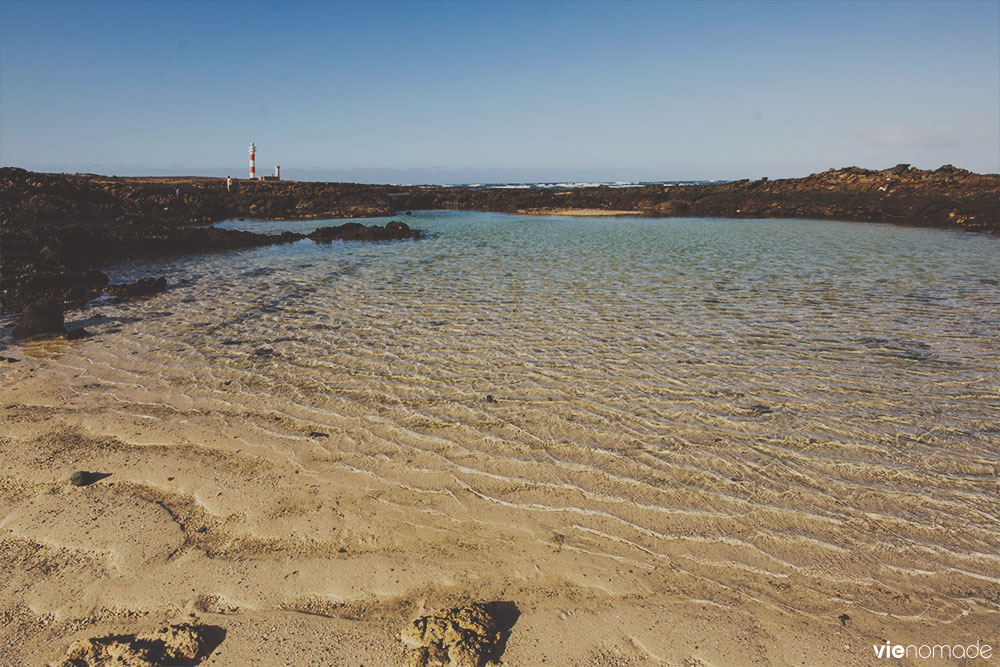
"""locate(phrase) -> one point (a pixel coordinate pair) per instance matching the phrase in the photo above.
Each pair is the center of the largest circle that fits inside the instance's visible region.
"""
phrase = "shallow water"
(822, 326)
(777, 397)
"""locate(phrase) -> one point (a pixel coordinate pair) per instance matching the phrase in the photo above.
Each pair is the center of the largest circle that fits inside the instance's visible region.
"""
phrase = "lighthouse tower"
(253, 151)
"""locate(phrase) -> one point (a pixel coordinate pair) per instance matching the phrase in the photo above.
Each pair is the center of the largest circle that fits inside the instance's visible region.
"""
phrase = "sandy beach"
(211, 517)
(576, 212)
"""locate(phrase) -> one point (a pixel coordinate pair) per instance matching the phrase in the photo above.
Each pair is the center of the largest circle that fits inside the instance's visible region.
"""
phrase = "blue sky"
(488, 91)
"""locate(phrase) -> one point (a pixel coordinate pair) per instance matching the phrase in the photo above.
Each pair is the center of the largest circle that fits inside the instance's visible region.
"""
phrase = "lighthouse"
(253, 151)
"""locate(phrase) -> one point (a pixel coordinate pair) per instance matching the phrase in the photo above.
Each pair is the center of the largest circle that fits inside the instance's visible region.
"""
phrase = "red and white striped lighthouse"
(253, 151)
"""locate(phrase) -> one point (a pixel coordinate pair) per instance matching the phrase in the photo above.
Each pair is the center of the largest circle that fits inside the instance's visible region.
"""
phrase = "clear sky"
(489, 91)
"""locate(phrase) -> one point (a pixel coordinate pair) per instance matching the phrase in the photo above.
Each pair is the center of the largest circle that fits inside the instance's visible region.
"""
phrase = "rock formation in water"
(44, 316)
(355, 231)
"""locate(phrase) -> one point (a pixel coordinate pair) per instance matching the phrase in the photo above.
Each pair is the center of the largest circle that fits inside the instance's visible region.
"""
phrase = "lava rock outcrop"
(355, 231)
(57, 230)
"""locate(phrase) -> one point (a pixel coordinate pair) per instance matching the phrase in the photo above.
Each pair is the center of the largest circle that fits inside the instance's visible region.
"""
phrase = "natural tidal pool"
(803, 328)
(799, 416)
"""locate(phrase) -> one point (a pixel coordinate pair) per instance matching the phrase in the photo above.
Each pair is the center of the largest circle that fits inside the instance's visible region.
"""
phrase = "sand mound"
(182, 644)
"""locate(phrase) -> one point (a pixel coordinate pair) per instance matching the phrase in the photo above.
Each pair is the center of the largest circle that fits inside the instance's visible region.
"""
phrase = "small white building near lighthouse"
(253, 171)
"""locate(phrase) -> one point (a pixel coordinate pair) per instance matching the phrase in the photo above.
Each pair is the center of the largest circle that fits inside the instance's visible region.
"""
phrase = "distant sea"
(569, 185)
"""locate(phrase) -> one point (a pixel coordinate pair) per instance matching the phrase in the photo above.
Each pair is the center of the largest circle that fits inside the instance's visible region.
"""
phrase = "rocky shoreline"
(57, 230)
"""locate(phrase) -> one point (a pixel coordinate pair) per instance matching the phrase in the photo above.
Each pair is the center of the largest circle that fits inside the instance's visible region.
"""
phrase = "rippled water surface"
(779, 327)
(785, 397)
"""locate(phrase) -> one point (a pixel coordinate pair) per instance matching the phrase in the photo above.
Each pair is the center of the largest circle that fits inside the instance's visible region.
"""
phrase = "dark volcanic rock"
(95, 279)
(76, 334)
(398, 229)
(144, 287)
(355, 231)
(34, 282)
(41, 317)
(56, 230)
(946, 197)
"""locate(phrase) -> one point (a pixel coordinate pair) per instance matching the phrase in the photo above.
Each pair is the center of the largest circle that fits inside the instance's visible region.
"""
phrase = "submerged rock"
(40, 317)
(144, 287)
(76, 334)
